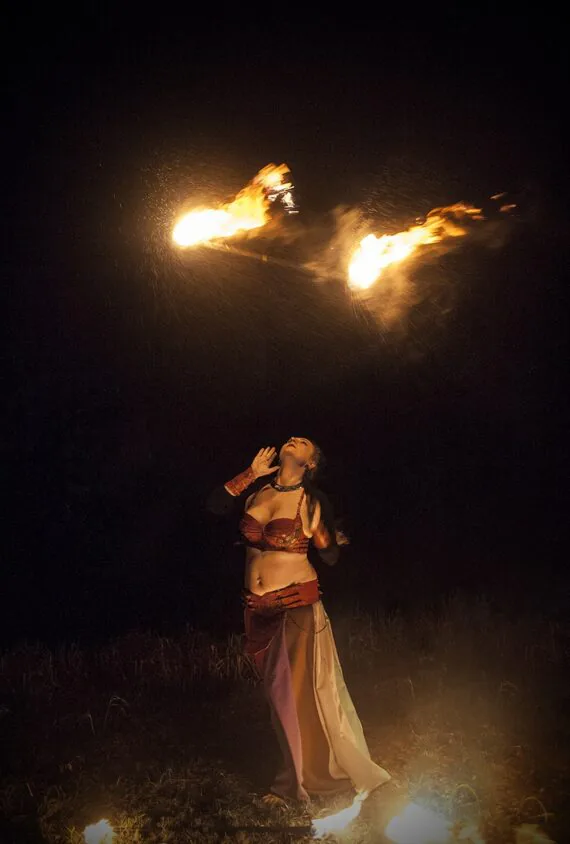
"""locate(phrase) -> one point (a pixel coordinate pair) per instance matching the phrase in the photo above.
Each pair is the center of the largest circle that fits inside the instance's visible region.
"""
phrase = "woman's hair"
(319, 459)
(314, 494)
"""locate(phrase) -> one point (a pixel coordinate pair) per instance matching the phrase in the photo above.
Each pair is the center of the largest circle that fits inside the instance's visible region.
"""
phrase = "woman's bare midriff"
(266, 571)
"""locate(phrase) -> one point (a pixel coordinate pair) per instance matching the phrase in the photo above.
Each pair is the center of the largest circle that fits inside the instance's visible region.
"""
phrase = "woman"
(288, 633)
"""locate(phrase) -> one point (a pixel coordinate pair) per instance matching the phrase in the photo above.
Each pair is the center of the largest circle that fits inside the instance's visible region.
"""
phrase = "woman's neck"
(289, 475)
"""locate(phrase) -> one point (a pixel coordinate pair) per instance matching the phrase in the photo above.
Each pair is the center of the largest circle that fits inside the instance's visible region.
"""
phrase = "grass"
(169, 738)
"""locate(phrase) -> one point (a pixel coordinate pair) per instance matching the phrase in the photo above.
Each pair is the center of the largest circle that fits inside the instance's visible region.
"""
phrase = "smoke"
(330, 260)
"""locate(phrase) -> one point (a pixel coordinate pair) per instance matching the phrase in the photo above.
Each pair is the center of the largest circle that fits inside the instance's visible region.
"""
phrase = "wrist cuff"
(241, 482)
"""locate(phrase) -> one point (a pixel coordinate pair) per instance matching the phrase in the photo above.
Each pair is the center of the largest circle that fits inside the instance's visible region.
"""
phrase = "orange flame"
(249, 210)
(375, 254)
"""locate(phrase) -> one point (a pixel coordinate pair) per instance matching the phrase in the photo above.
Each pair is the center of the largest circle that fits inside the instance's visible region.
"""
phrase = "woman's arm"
(329, 554)
(324, 537)
(222, 500)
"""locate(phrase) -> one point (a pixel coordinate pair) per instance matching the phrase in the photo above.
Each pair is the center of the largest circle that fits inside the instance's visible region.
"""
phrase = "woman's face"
(301, 449)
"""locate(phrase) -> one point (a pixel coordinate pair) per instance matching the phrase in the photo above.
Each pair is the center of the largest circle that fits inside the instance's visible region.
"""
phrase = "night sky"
(138, 378)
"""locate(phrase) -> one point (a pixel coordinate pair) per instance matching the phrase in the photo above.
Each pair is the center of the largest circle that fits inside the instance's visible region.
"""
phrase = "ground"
(170, 740)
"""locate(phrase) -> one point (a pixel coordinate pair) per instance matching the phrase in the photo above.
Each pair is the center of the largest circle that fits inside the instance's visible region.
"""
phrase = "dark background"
(138, 378)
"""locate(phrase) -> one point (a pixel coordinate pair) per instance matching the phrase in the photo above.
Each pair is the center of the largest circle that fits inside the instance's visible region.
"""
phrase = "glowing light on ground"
(99, 833)
(417, 825)
(339, 821)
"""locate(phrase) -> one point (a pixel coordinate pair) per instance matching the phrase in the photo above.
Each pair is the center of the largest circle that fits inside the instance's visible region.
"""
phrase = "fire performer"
(288, 634)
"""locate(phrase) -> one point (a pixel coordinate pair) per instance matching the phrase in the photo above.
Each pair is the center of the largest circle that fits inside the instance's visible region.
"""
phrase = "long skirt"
(289, 639)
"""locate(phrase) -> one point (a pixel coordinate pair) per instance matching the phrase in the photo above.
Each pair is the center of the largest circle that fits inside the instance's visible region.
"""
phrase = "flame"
(272, 176)
(337, 822)
(249, 210)
(374, 254)
(417, 825)
(99, 833)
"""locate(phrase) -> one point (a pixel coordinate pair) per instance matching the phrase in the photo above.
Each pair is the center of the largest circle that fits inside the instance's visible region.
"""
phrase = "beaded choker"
(281, 488)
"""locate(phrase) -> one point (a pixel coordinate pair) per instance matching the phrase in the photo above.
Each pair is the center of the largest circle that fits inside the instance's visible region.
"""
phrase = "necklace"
(281, 488)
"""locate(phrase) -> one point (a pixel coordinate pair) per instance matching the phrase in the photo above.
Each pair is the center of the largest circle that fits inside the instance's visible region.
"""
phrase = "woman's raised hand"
(261, 463)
